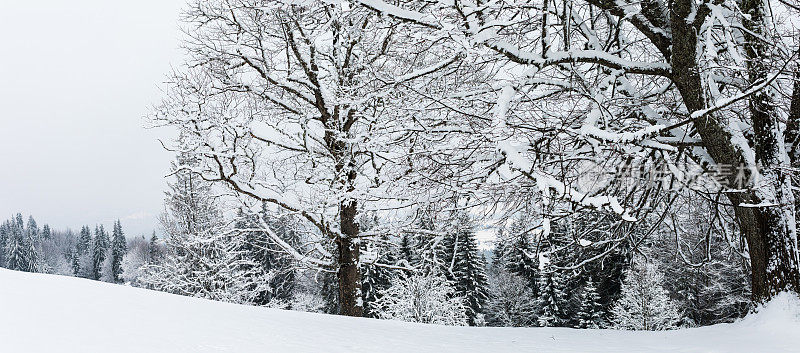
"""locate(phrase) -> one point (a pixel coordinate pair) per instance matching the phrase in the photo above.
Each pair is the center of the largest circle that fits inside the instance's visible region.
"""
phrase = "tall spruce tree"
(118, 248)
(204, 257)
(47, 234)
(517, 251)
(5, 233)
(591, 312)
(154, 251)
(465, 267)
(20, 252)
(99, 252)
(84, 240)
(551, 299)
(32, 229)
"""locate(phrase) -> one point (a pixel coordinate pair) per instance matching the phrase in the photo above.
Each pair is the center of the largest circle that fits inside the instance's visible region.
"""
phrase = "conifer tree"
(467, 269)
(84, 240)
(46, 232)
(406, 249)
(590, 314)
(82, 256)
(267, 255)
(75, 262)
(203, 257)
(5, 233)
(376, 278)
(427, 255)
(99, 252)
(20, 252)
(32, 229)
(551, 299)
(118, 248)
(154, 252)
(517, 250)
(645, 304)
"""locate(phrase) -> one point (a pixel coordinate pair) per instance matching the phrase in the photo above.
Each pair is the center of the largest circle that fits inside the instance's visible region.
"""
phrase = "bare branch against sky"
(77, 78)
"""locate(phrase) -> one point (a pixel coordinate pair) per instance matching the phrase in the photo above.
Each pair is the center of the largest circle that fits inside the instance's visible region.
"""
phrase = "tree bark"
(781, 263)
(768, 231)
(349, 275)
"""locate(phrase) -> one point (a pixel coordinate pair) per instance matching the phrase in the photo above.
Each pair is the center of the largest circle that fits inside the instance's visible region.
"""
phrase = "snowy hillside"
(44, 313)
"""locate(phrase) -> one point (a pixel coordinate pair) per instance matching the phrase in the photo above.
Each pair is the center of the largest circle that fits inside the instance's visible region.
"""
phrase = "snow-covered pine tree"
(203, 258)
(645, 304)
(551, 299)
(118, 248)
(590, 314)
(84, 240)
(20, 252)
(374, 277)
(99, 252)
(82, 257)
(421, 298)
(46, 232)
(5, 233)
(154, 250)
(466, 268)
(32, 229)
(267, 254)
(74, 261)
(517, 251)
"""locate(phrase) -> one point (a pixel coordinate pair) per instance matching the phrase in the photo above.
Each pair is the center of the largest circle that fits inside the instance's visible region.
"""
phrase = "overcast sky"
(76, 79)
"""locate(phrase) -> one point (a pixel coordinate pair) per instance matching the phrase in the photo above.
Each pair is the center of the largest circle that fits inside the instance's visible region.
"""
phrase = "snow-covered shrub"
(421, 298)
(511, 302)
(308, 302)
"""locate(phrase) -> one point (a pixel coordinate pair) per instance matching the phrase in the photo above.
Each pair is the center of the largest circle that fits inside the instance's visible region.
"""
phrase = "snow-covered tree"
(207, 264)
(308, 302)
(99, 252)
(518, 252)
(155, 253)
(375, 277)
(119, 246)
(136, 257)
(675, 88)
(551, 299)
(305, 106)
(32, 229)
(645, 304)
(464, 266)
(511, 301)
(46, 232)
(267, 255)
(81, 258)
(421, 298)
(20, 250)
(203, 258)
(591, 313)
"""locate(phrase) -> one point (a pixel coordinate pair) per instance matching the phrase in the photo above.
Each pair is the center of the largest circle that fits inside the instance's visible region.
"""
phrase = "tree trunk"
(768, 231)
(779, 260)
(349, 275)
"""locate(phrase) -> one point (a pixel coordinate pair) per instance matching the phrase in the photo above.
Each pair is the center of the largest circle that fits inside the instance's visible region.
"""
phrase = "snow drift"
(46, 313)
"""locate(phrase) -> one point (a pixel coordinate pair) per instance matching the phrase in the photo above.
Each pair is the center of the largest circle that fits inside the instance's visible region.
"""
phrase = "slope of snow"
(45, 313)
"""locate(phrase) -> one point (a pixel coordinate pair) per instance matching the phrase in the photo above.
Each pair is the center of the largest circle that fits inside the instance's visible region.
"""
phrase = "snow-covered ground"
(45, 313)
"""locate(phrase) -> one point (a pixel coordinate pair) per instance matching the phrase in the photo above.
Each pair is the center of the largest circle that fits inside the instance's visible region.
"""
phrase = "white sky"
(76, 78)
